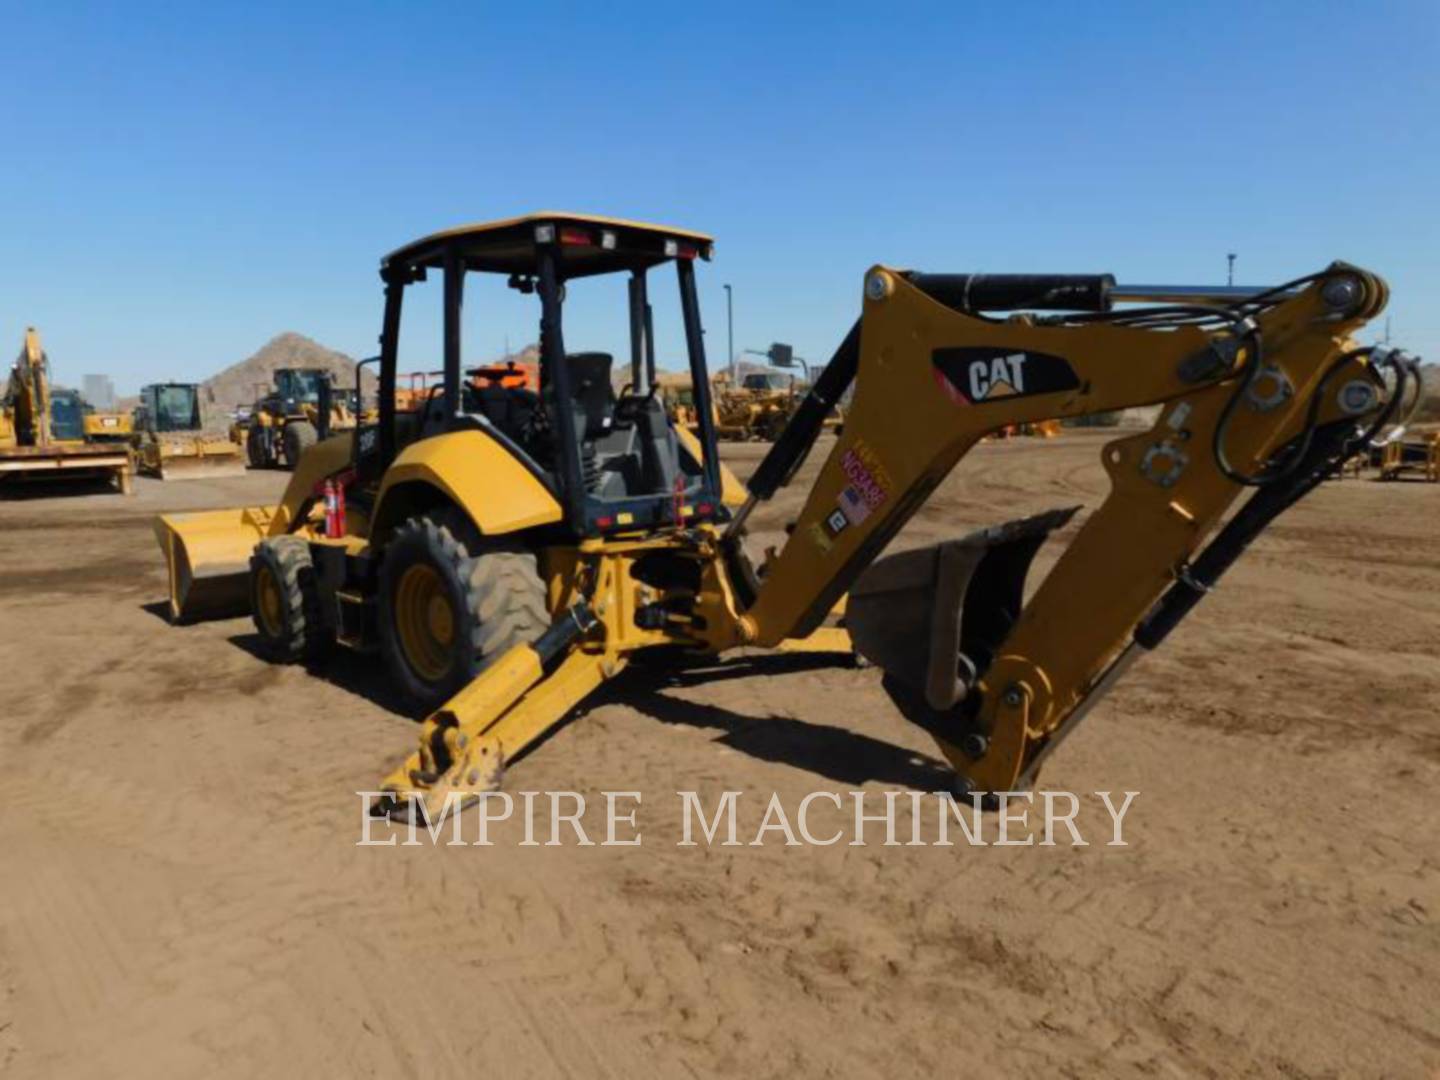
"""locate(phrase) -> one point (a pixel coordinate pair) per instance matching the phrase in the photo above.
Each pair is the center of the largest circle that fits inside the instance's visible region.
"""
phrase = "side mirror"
(781, 355)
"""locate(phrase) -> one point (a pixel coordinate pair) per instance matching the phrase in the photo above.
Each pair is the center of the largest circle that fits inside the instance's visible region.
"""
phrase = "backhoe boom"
(1259, 390)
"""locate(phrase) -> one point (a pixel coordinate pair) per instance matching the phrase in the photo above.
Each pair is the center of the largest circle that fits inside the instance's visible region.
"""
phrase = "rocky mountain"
(239, 384)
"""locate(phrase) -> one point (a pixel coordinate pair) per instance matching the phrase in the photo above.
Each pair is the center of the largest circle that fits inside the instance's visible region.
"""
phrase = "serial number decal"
(868, 486)
(866, 474)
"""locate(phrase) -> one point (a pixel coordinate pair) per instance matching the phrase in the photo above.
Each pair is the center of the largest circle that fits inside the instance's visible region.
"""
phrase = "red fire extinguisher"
(332, 508)
(332, 491)
(339, 509)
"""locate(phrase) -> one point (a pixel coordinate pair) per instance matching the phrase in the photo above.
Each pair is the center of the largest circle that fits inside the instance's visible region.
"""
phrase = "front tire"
(256, 450)
(297, 438)
(285, 600)
(450, 606)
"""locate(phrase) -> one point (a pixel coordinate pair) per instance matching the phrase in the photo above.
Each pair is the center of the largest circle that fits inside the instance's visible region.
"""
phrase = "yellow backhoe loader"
(170, 440)
(43, 434)
(510, 555)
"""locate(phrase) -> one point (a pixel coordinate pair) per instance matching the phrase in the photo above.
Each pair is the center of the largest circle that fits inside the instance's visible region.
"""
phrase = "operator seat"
(592, 410)
(592, 398)
(623, 452)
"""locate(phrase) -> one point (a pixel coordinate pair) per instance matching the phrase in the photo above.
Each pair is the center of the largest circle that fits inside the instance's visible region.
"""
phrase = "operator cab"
(67, 415)
(168, 407)
(299, 385)
(611, 457)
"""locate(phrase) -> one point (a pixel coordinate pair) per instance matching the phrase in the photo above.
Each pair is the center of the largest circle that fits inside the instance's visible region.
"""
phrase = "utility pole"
(730, 335)
(1230, 269)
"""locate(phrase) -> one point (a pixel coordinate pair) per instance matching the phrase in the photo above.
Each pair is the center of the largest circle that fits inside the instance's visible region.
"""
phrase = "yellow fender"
(476, 473)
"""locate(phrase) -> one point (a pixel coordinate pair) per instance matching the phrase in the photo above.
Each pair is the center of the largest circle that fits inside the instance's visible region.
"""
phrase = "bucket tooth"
(933, 618)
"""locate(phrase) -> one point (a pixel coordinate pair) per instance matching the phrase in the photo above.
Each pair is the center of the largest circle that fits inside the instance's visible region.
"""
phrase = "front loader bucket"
(207, 555)
(201, 467)
(191, 459)
(932, 618)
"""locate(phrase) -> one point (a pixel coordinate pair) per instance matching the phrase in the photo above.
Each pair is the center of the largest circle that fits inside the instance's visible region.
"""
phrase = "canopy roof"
(590, 244)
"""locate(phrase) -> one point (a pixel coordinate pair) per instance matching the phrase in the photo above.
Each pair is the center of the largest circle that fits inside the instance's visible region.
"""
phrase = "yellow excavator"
(44, 435)
(510, 553)
(102, 425)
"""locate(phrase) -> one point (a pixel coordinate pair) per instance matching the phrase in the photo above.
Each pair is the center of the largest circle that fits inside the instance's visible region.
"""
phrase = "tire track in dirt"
(191, 825)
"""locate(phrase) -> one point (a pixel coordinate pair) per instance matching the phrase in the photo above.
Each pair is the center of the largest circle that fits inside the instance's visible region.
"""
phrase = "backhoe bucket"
(932, 618)
(207, 555)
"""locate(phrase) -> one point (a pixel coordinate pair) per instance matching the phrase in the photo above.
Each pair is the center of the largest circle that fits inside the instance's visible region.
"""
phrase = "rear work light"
(607, 240)
(674, 249)
(544, 234)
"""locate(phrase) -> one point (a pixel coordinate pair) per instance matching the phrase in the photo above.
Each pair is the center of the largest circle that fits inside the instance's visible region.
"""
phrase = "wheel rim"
(425, 622)
(269, 603)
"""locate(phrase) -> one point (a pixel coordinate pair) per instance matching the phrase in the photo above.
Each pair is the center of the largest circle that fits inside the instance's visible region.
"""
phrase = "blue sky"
(184, 182)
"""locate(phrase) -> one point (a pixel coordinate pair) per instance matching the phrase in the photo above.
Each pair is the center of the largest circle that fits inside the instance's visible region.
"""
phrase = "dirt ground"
(182, 894)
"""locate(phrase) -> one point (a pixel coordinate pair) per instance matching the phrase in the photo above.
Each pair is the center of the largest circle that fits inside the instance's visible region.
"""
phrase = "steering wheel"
(629, 405)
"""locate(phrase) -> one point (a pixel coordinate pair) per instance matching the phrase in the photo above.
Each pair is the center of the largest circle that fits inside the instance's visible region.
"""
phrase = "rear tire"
(298, 437)
(285, 600)
(447, 614)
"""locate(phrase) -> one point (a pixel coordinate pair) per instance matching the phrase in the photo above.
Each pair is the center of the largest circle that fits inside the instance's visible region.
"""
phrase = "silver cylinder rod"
(1189, 294)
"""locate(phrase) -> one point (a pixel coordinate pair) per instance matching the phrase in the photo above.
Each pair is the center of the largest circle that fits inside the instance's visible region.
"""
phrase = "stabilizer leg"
(465, 744)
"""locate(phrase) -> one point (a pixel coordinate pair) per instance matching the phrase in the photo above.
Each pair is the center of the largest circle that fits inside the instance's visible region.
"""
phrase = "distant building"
(99, 391)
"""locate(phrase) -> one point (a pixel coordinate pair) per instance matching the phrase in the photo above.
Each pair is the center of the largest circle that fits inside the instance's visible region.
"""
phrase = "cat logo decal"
(972, 375)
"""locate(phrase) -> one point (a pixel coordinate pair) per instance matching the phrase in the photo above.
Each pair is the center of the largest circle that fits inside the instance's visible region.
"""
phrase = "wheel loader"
(290, 417)
(43, 432)
(511, 554)
(170, 439)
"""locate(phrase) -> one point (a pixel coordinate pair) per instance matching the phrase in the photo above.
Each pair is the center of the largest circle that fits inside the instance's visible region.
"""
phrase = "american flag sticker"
(854, 506)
